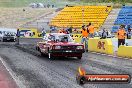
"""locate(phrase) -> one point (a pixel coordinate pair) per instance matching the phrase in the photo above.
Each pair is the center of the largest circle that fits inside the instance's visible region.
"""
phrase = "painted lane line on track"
(13, 75)
(114, 56)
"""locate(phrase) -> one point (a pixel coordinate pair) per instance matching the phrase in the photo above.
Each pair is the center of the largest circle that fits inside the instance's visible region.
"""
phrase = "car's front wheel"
(79, 58)
(3, 40)
(42, 54)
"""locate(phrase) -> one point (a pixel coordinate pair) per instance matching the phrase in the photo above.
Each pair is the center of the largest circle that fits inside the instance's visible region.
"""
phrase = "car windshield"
(60, 38)
(65, 38)
(9, 34)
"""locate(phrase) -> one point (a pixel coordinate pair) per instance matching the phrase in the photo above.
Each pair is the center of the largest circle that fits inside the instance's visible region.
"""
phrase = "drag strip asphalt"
(36, 71)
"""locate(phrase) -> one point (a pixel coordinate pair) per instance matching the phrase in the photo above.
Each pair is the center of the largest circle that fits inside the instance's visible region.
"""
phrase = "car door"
(42, 47)
(49, 43)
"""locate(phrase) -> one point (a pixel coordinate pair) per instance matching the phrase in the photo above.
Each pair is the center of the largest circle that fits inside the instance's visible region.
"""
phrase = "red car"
(60, 45)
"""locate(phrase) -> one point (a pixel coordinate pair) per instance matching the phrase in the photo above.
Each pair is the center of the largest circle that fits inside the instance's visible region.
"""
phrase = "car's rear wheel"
(42, 54)
(38, 49)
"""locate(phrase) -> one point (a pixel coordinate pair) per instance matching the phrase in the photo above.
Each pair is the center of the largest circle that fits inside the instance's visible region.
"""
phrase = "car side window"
(51, 38)
(63, 38)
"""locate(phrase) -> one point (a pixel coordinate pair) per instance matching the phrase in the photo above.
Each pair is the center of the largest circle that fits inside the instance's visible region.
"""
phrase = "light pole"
(83, 13)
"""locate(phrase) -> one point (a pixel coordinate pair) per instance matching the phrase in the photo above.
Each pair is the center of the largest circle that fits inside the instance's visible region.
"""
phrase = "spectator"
(84, 37)
(37, 5)
(67, 31)
(70, 30)
(48, 5)
(75, 30)
(53, 6)
(87, 27)
(43, 32)
(107, 32)
(91, 30)
(129, 33)
(50, 27)
(67, 5)
(53, 29)
(62, 30)
(104, 34)
(121, 35)
(44, 6)
(24, 10)
(18, 35)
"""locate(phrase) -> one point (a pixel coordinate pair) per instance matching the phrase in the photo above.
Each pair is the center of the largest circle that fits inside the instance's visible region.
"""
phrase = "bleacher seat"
(74, 16)
(116, 27)
(124, 18)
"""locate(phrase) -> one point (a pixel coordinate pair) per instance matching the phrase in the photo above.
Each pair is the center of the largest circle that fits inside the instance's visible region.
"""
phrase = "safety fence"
(28, 33)
(33, 33)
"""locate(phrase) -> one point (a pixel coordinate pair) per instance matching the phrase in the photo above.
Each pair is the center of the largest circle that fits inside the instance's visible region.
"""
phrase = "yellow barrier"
(125, 51)
(77, 37)
(100, 45)
(39, 35)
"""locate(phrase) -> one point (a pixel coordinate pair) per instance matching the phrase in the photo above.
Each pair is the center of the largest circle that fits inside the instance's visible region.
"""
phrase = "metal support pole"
(83, 14)
(18, 35)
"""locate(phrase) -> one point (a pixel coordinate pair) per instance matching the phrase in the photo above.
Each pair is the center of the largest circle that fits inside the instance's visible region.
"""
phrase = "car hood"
(60, 43)
(66, 43)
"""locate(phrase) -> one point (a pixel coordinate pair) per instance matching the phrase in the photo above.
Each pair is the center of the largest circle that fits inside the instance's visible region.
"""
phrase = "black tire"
(37, 48)
(3, 40)
(12, 40)
(42, 54)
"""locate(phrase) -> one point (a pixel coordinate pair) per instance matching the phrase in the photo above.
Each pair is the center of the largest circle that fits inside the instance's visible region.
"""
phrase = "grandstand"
(124, 17)
(76, 16)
